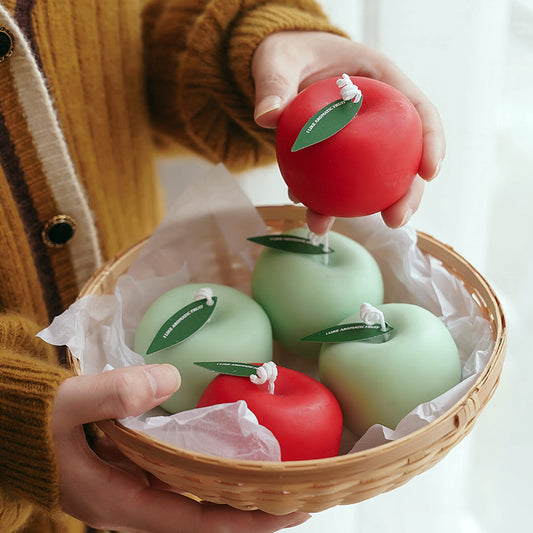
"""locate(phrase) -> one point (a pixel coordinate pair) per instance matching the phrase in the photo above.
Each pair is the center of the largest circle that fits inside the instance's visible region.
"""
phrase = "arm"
(200, 89)
(205, 86)
(29, 379)
(301, 58)
(47, 465)
(104, 489)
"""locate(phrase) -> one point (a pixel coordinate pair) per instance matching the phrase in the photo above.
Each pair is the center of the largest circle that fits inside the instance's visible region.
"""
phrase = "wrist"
(27, 456)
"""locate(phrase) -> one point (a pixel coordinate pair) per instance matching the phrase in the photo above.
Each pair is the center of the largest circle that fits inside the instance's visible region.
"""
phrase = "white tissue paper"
(208, 226)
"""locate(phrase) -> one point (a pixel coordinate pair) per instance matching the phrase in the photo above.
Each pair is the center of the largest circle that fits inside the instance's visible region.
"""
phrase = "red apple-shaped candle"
(302, 414)
(349, 155)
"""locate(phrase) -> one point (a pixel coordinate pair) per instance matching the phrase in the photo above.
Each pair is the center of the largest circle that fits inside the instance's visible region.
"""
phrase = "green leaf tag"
(182, 324)
(356, 331)
(291, 243)
(326, 123)
(230, 368)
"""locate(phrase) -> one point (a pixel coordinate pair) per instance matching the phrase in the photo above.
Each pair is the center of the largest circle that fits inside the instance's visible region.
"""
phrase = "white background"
(475, 61)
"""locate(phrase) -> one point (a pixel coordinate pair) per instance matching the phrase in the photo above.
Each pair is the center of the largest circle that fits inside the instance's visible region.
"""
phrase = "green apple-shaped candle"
(381, 382)
(304, 292)
(237, 329)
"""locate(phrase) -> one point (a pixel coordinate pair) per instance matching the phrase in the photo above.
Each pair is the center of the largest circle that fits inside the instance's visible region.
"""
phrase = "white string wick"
(204, 293)
(371, 315)
(317, 240)
(267, 372)
(349, 91)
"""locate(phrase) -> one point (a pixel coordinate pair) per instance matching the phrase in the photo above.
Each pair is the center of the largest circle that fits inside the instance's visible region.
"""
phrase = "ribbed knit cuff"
(27, 459)
(27, 389)
(198, 57)
(219, 54)
(263, 20)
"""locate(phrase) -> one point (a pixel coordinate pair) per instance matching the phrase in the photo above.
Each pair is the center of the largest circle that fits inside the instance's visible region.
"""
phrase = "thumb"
(275, 86)
(118, 393)
(268, 110)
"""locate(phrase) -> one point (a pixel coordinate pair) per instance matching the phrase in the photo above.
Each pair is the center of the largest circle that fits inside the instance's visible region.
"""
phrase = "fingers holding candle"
(434, 145)
(347, 159)
(317, 223)
(395, 216)
(400, 213)
(311, 60)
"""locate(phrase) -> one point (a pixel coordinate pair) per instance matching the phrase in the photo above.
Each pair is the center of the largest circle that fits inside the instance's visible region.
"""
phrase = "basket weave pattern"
(313, 486)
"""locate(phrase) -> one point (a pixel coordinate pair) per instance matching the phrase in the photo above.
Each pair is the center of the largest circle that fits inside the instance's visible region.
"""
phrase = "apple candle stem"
(317, 240)
(371, 315)
(205, 293)
(349, 91)
(267, 372)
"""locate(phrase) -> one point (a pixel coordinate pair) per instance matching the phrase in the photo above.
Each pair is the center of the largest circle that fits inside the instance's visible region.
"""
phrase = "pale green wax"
(381, 383)
(238, 330)
(304, 293)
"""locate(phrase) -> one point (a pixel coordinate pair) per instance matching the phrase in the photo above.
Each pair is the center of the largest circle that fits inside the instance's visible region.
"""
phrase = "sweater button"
(58, 231)
(7, 43)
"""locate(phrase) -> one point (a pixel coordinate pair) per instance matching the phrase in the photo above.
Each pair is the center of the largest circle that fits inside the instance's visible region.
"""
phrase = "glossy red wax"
(362, 169)
(302, 413)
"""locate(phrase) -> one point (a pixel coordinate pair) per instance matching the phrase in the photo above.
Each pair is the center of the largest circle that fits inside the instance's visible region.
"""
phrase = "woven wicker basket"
(312, 486)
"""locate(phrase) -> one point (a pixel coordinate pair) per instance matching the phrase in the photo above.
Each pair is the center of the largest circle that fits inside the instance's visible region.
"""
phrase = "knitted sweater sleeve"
(198, 65)
(28, 382)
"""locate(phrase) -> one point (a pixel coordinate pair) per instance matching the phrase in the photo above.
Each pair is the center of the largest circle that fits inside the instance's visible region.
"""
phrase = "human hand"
(104, 489)
(287, 62)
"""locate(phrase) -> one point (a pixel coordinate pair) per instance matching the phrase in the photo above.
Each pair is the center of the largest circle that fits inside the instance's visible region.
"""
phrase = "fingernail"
(437, 170)
(326, 227)
(267, 104)
(292, 198)
(164, 379)
(299, 519)
(406, 217)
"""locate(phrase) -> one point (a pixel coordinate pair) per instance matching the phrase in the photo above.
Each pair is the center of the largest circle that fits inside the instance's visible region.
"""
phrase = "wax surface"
(304, 293)
(381, 383)
(303, 414)
(239, 330)
(366, 166)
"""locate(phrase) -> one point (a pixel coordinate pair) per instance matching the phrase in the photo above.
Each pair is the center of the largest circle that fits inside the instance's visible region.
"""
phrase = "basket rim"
(458, 416)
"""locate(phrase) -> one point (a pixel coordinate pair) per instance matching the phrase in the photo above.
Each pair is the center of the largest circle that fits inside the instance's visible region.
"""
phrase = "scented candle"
(302, 414)
(302, 293)
(349, 146)
(238, 330)
(380, 382)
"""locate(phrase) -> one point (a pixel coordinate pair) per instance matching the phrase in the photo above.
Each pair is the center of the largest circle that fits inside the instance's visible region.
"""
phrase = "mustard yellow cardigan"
(87, 91)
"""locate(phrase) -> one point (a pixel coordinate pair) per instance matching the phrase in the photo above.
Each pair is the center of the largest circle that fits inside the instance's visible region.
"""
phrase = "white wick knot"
(349, 91)
(371, 315)
(267, 372)
(317, 240)
(204, 293)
